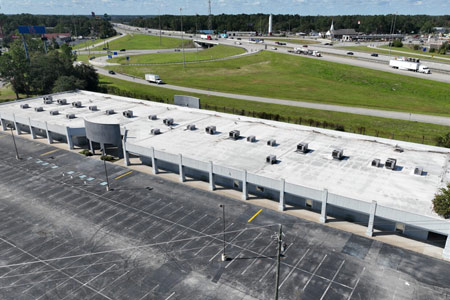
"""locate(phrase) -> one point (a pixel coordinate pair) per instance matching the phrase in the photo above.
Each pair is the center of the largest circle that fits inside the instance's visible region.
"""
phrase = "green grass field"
(412, 51)
(294, 41)
(88, 43)
(284, 76)
(215, 52)
(7, 94)
(388, 128)
(142, 41)
(385, 50)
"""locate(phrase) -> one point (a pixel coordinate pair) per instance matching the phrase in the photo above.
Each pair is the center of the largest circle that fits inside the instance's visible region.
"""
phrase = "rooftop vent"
(128, 114)
(251, 138)
(109, 112)
(271, 159)
(54, 112)
(210, 129)
(302, 148)
(376, 163)
(48, 99)
(191, 127)
(76, 104)
(234, 134)
(38, 109)
(168, 121)
(391, 163)
(271, 143)
(398, 149)
(418, 171)
(155, 131)
(153, 117)
(70, 116)
(338, 154)
(24, 106)
(62, 101)
(93, 108)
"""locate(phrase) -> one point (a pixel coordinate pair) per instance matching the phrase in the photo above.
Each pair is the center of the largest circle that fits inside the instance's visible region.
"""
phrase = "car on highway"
(274, 48)
(349, 53)
(306, 46)
(111, 72)
(374, 54)
(238, 39)
(176, 50)
(238, 43)
(92, 57)
(123, 50)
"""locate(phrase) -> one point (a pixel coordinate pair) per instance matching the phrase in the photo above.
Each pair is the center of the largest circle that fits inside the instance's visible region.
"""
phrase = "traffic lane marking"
(254, 216)
(123, 175)
(49, 152)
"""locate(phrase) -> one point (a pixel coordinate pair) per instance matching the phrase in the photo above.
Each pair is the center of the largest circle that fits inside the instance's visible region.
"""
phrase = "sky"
(192, 7)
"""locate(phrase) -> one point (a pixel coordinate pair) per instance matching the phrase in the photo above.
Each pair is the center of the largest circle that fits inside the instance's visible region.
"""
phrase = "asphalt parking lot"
(63, 236)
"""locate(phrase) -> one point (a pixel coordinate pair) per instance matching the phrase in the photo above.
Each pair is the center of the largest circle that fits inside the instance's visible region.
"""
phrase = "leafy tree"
(68, 83)
(14, 68)
(441, 202)
(445, 47)
(444, 141)
(397, 43)
(89, 75)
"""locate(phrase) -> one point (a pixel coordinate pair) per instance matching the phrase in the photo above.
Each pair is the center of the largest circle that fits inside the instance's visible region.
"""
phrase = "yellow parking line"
(254, 216)
(123, 175)
(49, 152)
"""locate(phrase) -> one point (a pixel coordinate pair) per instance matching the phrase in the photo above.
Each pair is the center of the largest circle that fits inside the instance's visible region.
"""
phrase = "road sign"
(128, 58)
(109, 56)
(31, 29)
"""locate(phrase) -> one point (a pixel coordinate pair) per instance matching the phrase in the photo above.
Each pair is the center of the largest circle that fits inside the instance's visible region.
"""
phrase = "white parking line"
(206, 228)
(242, 251)
(151, 291)
(207, 244)
(184, 230)
(226, 242)
(293, 269)
(170, 296)
(173, 225)
(357, 281)
(332, 279)
(314, 273)
(271, 266)
(255, 260)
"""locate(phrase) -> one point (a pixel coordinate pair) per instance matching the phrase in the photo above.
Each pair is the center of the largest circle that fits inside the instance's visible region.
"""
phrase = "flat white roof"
(351, 177)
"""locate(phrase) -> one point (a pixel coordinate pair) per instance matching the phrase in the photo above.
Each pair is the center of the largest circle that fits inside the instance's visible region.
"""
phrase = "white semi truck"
(153, 78)
(409, 64)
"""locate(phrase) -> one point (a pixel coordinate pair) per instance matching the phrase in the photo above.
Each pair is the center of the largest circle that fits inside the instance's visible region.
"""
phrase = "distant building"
(60, 38)
(341, 34)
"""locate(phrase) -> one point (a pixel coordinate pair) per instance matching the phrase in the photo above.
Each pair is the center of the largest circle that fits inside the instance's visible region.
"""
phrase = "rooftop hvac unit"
(251, 138)
(48, 98)
(191, 127)
(302, 147)
(24, 106)
(38, 109)
(391, 163)
(70, 116)
(93, 108)
(76, 104)
(153, 117)
(128, 114)
(337, 154)
(109, 112)
(168, 121)
(271, 143)
(155, 131)
(376, 163)
(418, 171)
(234, 134)
(210, 129)
(271, 159)
(62, 101)
(48, 101)
(54, 112)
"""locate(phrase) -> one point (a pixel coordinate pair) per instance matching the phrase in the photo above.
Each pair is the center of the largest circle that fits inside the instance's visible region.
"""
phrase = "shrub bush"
(441, 202)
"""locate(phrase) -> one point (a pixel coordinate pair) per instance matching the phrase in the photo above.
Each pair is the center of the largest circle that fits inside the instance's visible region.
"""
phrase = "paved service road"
(65, 237)
(346, 109)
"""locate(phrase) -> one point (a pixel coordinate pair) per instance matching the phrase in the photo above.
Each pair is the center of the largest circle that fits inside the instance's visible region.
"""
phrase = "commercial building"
(376, 182)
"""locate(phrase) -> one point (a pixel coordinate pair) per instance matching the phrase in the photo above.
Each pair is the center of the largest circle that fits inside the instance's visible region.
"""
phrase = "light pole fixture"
(182, 37)
(224, 256)
(14, 139)
(106, 171)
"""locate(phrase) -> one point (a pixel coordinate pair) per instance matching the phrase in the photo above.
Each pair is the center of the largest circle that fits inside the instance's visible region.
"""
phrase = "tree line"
(377, 24)
(44, 73)
(76, 25)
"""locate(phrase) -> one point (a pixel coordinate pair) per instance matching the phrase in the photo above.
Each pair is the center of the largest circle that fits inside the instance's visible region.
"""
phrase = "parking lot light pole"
(224, 256)
(106, 171)
(182, 37)
(14, 140)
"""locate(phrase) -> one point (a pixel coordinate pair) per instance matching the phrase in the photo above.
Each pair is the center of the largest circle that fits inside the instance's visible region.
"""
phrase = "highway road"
(345, 109)
(359, 59)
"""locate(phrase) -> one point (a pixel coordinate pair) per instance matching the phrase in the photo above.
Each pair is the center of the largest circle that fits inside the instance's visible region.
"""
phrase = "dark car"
(92, 57)
(349, 53)
(306, 46)
(123, 50)
(238, 39)
(374, 54)
(111, 72)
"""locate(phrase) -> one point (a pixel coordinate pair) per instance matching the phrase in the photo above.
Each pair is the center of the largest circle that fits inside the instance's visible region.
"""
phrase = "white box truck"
(153, 78)
(409, 65)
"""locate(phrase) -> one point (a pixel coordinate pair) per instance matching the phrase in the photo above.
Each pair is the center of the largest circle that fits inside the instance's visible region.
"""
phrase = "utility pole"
(160, 42)
(106, 171)
(209, 16)
(14, 140)
(224, 256)
(182, 38)
(279, 245)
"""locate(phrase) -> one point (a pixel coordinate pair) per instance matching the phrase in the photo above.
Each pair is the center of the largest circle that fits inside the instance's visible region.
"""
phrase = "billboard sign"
(31, 29)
